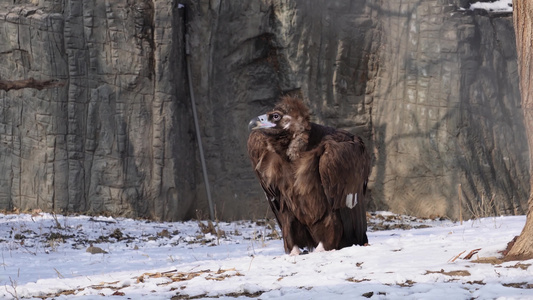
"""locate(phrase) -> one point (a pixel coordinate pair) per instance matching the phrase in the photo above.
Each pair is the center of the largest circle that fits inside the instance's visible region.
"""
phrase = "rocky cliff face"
(117, 137)
(432, 89)
(447, 112)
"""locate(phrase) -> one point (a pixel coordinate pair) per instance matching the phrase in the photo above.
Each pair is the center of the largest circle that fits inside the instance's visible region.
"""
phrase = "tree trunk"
(523, 24)
(7, 85)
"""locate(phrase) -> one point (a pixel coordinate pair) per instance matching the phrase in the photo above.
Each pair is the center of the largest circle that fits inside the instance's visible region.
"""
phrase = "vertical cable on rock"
(195, 116)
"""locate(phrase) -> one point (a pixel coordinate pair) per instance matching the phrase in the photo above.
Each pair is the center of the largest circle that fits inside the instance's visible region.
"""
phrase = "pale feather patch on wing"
(351, 200)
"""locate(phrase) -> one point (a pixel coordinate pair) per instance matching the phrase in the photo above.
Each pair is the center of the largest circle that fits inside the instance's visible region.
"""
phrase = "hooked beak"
(260, 122)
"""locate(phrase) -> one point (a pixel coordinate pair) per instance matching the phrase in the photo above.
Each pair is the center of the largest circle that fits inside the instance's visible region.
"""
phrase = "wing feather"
(344, 170)
(258, 153)
(276, 179)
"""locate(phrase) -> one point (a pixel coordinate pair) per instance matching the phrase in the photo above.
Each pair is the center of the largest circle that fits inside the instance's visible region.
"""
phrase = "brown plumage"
(314, 178)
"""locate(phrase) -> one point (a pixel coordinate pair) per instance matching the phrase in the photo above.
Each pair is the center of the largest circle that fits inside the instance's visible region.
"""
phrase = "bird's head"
(290, 115)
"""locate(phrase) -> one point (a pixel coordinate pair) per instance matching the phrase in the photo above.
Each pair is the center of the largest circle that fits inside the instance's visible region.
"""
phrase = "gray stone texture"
(431, 88)
(117, 137)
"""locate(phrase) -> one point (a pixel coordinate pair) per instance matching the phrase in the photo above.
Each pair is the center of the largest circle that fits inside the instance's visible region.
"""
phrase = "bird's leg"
(320, 248)
(295, 251)
(327, 232)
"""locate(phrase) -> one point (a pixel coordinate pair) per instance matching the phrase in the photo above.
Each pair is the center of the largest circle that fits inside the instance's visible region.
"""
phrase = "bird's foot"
(295, 251)
(320, 248)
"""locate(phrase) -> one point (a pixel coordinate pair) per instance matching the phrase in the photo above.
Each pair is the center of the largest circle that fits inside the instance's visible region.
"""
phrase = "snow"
(44, 255)
(496, 6)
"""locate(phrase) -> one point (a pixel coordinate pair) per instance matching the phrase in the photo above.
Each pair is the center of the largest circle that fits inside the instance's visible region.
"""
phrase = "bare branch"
(30, 83)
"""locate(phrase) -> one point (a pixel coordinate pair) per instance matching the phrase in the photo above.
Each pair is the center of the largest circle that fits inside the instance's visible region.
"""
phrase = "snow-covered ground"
(495, 6)
(45, 256)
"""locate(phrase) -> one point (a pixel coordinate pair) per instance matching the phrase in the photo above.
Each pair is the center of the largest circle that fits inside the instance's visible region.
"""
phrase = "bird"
(314, 178)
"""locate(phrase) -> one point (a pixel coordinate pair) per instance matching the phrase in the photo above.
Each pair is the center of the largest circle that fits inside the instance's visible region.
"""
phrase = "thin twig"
(14, 287)
(456, 257)
(250, 265)
(59, 275)
(469, 255)
(460, 192)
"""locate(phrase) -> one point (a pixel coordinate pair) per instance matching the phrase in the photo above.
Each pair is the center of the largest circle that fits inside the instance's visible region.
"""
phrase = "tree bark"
(7, 85)
(523, 25)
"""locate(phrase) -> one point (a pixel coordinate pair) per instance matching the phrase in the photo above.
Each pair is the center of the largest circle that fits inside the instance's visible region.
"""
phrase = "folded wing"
(344, 169)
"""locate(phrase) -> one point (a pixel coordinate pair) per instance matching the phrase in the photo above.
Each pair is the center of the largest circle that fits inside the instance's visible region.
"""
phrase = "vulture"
(314, 178)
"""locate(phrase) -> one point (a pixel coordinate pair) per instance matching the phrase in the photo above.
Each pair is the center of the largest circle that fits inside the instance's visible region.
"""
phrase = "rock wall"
(433, 90)
(446, 114)
(118, 137)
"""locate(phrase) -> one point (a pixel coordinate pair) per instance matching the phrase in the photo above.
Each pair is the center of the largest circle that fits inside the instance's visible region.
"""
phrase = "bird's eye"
(276, 117)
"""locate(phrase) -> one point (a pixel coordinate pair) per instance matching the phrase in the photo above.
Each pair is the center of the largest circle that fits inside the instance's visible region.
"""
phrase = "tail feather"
(354, 225)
